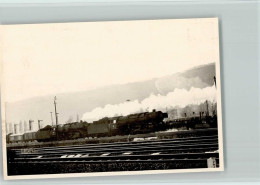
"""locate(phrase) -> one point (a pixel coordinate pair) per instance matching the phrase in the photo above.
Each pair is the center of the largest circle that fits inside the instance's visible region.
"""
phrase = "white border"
(93, 174)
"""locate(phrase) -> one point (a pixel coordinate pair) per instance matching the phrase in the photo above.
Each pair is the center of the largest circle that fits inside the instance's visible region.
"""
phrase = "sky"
(46, 59)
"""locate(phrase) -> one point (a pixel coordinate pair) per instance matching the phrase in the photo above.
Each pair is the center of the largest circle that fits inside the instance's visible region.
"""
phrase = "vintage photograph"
(111, 98)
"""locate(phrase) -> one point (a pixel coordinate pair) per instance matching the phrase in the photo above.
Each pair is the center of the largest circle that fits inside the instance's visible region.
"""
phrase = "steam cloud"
(178, 97)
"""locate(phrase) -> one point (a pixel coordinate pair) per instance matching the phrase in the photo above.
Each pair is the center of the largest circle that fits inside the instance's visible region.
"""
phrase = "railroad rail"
(178, 153)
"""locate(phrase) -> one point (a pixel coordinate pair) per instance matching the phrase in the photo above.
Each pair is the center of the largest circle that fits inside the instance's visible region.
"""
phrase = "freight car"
(29, 136)
(8, 138)
(45, 134)
(121, 125)
(16, 138)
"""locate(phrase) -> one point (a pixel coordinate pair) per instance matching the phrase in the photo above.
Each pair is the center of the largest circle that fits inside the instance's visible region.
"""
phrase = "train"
(138, 123)
(193, 122)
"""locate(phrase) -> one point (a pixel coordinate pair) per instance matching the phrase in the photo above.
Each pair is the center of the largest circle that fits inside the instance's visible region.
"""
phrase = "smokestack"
(6, 129)
(30, 125)
(25, 126)
(15, 128)
(11, 128)
(20, 127)
(39, 124)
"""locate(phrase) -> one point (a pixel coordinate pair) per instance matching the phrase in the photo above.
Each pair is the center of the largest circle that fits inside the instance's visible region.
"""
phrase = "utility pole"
(39, 124)
(51, 119)
(56, 116)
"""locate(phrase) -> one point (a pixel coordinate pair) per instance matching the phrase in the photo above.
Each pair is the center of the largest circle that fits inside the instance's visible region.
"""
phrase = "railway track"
(180, 153)
(148, 145)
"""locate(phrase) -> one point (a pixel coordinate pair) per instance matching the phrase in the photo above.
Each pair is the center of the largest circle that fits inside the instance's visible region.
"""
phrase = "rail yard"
(135, 142)
(190, 149)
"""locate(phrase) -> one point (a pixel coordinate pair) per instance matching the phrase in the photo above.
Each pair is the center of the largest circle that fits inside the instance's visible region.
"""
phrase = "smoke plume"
(178, 97)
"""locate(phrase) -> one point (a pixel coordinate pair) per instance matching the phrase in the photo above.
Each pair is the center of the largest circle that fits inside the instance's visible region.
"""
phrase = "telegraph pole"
(56, 116)
(51, 119)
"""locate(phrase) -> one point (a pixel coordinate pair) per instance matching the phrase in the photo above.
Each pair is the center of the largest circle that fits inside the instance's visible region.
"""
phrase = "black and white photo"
(111, 98)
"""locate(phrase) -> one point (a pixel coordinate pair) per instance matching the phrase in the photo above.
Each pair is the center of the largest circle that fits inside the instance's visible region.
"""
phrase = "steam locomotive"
(121, 125)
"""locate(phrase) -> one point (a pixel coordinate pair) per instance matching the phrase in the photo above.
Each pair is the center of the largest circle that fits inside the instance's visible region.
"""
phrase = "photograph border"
(119, 173)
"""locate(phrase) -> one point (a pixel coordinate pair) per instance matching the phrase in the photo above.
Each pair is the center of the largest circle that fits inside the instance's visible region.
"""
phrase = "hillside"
(72, 104)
